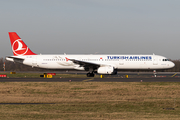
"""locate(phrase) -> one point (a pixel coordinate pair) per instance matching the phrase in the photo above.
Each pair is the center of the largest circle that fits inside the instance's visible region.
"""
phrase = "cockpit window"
(165, 60)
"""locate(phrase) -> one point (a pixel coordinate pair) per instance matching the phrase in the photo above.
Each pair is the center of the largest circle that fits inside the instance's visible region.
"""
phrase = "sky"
(93, 26)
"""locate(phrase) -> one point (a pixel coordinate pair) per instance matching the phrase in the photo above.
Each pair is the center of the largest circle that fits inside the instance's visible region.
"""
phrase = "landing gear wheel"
(90, 74)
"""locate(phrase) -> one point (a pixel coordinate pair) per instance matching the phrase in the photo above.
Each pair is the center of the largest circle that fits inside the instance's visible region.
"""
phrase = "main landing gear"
(90, 74)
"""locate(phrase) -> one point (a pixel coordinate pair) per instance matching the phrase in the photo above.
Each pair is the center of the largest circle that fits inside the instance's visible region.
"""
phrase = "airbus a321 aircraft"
(101, 64)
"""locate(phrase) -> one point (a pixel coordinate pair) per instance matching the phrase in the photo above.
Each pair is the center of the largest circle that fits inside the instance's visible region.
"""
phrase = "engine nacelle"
(106, 70)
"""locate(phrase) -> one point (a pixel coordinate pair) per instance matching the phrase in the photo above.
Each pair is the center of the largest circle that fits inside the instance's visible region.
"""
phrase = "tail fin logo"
(19, 48)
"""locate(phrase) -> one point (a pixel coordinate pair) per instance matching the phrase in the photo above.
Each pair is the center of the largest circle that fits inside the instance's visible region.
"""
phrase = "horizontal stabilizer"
(15, 59)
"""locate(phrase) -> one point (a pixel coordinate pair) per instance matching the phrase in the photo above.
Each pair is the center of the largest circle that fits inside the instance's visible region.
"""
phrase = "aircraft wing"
(85, 64)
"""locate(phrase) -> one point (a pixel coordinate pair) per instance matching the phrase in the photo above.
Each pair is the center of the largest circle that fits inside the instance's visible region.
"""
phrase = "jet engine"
(107, 70)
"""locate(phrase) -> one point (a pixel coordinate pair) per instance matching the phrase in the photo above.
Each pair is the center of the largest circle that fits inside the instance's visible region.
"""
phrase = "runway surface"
(166, 79)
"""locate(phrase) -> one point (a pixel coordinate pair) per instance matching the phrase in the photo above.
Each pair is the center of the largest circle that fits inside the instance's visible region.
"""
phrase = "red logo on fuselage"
(67, 59)
(19, 48)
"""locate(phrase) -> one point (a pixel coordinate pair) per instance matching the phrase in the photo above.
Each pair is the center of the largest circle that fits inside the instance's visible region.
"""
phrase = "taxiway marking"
(88, 80)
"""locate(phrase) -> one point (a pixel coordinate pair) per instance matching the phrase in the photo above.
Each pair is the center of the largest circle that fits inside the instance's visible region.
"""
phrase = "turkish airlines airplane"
(101, 64)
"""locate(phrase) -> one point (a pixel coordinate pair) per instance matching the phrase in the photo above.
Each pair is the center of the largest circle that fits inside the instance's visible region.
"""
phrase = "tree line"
(11, 66)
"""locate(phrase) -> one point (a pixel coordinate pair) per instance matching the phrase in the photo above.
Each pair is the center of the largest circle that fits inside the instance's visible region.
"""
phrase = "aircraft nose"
(171, 65)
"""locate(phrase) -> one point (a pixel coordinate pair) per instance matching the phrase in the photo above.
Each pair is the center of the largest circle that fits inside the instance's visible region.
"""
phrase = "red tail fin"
(18, 46)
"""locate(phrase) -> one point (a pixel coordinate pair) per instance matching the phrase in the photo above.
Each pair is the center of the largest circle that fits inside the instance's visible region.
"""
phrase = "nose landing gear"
(154, 73)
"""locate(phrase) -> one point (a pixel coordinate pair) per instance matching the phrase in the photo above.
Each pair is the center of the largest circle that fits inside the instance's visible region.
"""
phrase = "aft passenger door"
(34, 61)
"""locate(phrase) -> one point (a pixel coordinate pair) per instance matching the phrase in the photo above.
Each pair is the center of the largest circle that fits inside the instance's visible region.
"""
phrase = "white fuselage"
(139, 62)
(101, 64)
